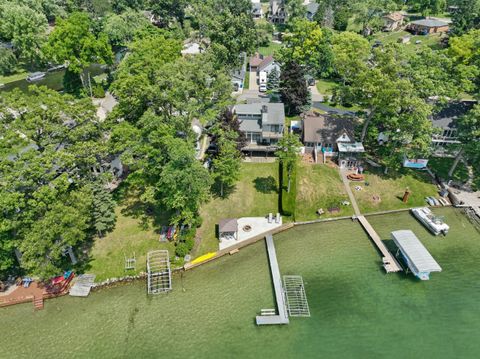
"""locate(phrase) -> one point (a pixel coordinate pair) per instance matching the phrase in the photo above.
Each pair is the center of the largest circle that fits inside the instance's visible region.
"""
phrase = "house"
(444, 122)
(260, 63)
(332, 136)
(276, 12)
(427, 26)
(392, 21)
(257, 11)
(238, 75)
(263, 125)
(312, 9)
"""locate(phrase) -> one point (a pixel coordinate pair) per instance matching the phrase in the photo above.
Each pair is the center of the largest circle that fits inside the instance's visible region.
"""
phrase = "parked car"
(262, 88)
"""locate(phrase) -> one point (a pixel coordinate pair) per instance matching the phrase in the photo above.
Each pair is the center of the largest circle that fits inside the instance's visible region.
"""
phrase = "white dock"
(282, 317)
(390, 264)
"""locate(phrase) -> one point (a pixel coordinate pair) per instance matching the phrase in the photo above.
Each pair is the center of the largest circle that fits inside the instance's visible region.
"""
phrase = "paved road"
(329, 109)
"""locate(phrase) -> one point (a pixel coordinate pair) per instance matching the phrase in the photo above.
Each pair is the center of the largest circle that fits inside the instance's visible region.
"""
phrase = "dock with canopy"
(416, 256)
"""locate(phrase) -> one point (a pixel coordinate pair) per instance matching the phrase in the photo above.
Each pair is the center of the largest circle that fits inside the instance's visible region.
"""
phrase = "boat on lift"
(35, 76)
(434, 224)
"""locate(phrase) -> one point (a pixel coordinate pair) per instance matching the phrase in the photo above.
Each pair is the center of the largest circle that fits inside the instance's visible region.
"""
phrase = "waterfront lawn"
(255, 194)
(390, 189)
(130, 235)
(433, 41)
(21, 75)
(319, 186)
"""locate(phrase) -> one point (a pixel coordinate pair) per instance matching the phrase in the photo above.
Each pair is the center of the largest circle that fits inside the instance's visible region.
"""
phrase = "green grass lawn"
(270, 49)
(441, 166)
(255, 194)
(432, 40)
(325, 87)
(129, 236)
(246, 81)
(12, 78)
(385, 192)
(319, 186)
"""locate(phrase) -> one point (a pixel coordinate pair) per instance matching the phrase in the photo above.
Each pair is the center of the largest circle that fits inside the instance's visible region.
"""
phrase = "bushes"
(7, 61)
(288, 199)
(186, 244)
(181, 250)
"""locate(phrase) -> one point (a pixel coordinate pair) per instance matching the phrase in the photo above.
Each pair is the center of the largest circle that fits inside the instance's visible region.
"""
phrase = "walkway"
(329, 109)
(389, 262)
(346, 184)
(282, 317)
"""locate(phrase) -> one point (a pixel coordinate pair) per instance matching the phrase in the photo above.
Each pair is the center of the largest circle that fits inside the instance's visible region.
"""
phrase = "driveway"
(252, 84)
(316, 96)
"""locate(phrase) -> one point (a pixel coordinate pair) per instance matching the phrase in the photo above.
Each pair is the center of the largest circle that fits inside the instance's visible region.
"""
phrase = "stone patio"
(258, 226)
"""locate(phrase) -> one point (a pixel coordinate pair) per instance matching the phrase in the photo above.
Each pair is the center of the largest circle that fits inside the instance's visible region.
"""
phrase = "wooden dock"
(389, 262)
(282, 317)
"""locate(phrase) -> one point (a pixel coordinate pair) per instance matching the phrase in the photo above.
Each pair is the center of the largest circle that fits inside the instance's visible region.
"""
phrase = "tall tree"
(121, 29)
(168, 10)
(293, 88)
(25, 28)
(466, 17)
(288, 152)
(273, 80)
(74, 43)
(226, 164)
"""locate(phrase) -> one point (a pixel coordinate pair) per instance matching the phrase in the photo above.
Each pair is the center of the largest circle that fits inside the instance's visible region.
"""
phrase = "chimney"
(264, 109)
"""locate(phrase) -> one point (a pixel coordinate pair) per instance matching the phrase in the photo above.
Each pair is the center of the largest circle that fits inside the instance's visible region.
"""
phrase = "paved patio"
(258, 226)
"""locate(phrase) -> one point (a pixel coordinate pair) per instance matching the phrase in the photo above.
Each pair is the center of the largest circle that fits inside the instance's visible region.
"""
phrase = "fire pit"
(247, 228)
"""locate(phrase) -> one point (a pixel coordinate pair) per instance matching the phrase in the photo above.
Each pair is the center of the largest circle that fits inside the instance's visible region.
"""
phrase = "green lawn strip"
(255, 194)
(270, 49)
(12, 78)
(325, 87)
(385, 192)
(288, 198)
(432, 40)
(440, 166)
(319, 186)
(246, 81)
(129, 236)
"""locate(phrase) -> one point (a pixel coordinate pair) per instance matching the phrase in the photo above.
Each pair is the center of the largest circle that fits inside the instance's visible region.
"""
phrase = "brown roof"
(228, 225)
(256, 60)
(266, 61)
(327, 129)
(395, 16)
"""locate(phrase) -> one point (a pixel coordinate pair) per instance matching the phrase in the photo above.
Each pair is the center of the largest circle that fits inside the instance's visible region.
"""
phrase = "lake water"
(357, 310)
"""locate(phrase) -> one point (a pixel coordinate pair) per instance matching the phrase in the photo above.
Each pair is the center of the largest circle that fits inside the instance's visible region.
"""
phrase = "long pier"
(389, 262)
(282, 316)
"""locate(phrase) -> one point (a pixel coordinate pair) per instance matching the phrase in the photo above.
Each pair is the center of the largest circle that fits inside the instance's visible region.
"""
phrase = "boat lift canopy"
(416, 253)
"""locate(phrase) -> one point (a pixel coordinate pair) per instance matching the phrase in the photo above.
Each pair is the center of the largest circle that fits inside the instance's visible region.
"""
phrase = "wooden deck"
(389, 262)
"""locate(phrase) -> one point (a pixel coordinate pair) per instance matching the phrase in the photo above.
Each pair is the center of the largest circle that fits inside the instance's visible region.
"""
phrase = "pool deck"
(282, 317)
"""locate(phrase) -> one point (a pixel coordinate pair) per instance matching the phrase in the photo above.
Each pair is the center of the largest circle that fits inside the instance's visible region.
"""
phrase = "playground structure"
(159, 275)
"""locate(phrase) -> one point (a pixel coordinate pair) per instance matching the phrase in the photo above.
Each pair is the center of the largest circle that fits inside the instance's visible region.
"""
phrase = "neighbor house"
(259, 63)
(312, 9)
(392, 21)
(445, 140)
(238, 75)
(257, 11)
(427, 26)
(263, 125)
(276, 12)
(327, 136)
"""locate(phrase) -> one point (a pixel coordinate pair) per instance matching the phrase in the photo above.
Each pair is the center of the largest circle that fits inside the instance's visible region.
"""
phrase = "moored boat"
(434, 224)
(35, 76)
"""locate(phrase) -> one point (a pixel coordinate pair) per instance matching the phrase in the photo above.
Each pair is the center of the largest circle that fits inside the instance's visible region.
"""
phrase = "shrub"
(181, 250)
(288, 199)
(7, 61)
(189, 243)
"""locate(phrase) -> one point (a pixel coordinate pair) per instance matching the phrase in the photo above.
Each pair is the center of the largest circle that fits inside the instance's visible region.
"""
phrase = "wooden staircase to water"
(38, 303)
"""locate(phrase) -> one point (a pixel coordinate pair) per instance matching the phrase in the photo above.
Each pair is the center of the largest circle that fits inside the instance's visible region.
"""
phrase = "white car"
(262, 88)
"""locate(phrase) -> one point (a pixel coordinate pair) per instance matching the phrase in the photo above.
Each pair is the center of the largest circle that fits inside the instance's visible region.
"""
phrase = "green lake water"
(357, 310)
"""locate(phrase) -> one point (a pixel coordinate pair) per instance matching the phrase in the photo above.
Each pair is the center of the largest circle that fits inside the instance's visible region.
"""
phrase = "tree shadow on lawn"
(217, 190)
(149, 216)
(265, 184)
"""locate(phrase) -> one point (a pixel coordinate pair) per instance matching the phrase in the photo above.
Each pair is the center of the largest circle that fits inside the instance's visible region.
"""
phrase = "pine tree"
(103, 211)
(293, 88)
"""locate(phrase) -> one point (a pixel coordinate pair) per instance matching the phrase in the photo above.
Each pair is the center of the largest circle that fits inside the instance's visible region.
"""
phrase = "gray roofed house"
(445, 123)
(312, 9)
(238, 75)
(428, 26)
(263, 124)
(257, 11)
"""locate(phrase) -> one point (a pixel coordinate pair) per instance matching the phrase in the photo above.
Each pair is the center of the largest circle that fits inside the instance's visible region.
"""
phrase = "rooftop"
(429, 23)
(327, 128)
(446, 116)
(418, 255)
(275, 111)
(228, 225)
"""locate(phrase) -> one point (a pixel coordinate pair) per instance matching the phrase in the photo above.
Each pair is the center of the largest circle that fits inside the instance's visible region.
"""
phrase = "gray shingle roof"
(327, 129)
(228, 225)
(276, 111)
(429, 23)
(446, 117)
